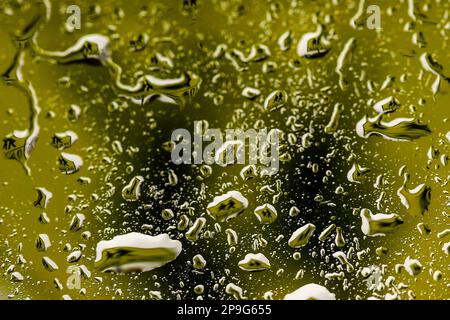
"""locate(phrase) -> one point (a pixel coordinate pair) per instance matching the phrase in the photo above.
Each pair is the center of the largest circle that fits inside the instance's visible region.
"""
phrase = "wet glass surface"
(92, 205)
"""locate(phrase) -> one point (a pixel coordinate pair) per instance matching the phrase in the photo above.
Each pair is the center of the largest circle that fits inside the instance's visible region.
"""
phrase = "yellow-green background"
(195, 31)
